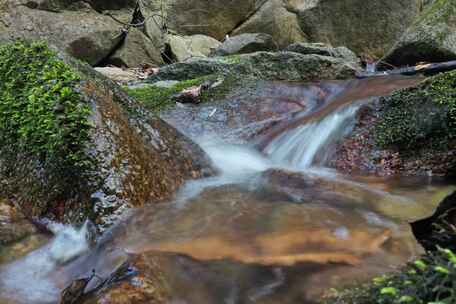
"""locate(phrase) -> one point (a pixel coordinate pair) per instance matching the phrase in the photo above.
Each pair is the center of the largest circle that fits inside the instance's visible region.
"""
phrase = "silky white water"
(298, 148)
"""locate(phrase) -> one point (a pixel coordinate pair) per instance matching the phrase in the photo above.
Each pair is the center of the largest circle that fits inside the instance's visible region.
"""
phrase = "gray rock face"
(246, 43)
(85, 35)
(365, 26)
(323, 50)
(431, 38)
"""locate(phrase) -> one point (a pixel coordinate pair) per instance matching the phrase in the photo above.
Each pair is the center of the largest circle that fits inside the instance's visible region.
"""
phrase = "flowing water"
(274, 226)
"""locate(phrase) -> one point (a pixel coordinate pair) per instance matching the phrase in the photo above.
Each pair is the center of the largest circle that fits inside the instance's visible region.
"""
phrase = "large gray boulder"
(246, 43)
(431, 38)
(76, 28)
(364, 26)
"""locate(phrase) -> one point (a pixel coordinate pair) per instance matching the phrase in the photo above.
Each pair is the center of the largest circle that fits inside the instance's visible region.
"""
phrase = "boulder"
(136, 50)
(289, 66)
(324, 50)
(102, 153)
(86, 35)
(78, 29)
(275, 19)
(364, 26)
(432, 38)
(246, 43)
(214, 18)
(184, 47)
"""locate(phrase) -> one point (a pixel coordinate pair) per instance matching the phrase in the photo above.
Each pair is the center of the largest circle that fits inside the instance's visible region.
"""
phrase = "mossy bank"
(410, 132)
(76, 145)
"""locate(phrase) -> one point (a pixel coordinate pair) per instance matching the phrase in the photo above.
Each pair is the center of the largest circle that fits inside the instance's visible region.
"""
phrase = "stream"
(275, 225)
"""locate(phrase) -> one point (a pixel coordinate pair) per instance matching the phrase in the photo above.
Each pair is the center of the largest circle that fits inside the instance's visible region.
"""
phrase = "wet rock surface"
(137, 158)
(14, 226)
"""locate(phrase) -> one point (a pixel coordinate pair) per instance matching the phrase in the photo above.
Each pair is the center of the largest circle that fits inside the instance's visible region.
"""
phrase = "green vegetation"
(41, 109)
(44, 126)
(420, 116)
(157, 99)
(431, 280)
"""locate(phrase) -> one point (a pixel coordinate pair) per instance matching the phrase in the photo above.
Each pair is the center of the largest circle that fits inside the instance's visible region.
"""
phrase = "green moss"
(420, 116)
(41, 109)
(431, 279)
(157, 99)
(231, 59)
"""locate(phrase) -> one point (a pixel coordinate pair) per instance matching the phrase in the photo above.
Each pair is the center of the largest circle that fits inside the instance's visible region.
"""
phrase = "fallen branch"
(431, 68)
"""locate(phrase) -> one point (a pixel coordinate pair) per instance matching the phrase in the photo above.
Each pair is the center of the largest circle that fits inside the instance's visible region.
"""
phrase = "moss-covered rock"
(422, 116)
(288, 66)
(410, 132)
(76, 146)
(431, 38)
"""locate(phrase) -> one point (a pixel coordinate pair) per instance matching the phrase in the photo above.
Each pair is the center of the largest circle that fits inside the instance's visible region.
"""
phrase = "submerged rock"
(123, 156)
(246, 43)
(431, 38)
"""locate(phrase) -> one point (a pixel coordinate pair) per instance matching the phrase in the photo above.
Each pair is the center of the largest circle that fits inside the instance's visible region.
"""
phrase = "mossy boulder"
(289, 66)
(431, 38)
(410, 132)
(421, 121)
(324, 50)
(75, 145)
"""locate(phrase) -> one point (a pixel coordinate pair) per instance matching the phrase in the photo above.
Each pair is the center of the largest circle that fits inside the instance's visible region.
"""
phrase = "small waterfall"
(300, 148)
